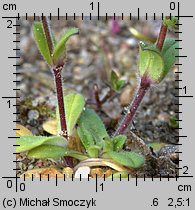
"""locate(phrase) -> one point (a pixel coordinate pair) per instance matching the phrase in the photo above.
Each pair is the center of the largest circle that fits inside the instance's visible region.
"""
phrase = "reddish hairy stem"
(47, 33)
(144, 86)
(58, 79)
(60, 97)
(161, 37)
(58, 82)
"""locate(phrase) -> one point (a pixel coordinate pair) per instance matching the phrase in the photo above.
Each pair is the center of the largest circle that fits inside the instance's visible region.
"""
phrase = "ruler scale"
(150, 193)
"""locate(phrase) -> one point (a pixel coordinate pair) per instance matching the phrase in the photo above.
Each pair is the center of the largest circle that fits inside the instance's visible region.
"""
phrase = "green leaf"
(51, 151)
(128, 159)
(119, 85)
(108, 145)
(41, 42)
(118, 142)
(74, 104)
(85, 137)
(114, 77)
(93, 151)
(59, 50)
(116, 83)
(149, 46)
(29, 142)
(151, 63)
(93, 124)
(169, 53)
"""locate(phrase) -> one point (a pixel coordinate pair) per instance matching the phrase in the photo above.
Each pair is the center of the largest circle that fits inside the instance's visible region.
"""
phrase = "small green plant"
(155, 61)
(99, 148)
(73, 119)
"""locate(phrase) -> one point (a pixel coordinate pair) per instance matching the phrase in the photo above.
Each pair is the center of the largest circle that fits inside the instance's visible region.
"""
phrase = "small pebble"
(83, 172)
(33, 115)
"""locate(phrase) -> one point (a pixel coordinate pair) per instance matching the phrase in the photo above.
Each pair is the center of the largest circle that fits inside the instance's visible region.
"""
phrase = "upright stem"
(47, 33)
(144, 86)
(60, 97)
(58, 80)
(58, 83)
(161, 37)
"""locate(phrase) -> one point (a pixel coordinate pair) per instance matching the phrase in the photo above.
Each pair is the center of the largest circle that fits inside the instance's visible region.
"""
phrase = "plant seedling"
(99, 148)
(54, 53)
(73, 119)
(155, 61)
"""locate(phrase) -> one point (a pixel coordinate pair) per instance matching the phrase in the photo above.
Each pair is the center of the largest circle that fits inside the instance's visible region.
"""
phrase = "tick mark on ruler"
(11, 97)
(183, 96)
(180, 136)
(181, 56)
(14, 57)
(136, 180)
(13, 137)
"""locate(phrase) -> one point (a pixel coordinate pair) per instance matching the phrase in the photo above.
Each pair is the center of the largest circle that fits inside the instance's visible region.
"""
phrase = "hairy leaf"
(51, 151)
(85, 137)
(74, 104)
(108, 145)
(59, 50)
(128, 159)
(93, 124)
(41, 42)
(29, 142)
(22, 131)
(93, 151)
(118, 142)
(151, 63)
(169, 53)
